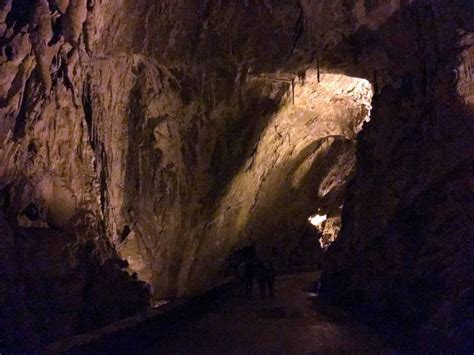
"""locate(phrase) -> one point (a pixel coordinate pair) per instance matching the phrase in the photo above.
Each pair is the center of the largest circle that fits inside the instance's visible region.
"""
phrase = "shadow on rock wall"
(279, 222)
(404, 256)
(54, 284)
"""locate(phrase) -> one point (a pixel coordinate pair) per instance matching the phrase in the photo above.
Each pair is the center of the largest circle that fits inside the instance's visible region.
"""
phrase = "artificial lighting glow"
(159, 303)
(316, 220)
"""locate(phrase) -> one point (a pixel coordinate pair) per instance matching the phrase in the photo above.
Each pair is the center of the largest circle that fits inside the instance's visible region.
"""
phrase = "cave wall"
(168, 122)
(108, 109)
(300, 162)
(55, 283)
(125, 121)
(403, 259)
(142, 131)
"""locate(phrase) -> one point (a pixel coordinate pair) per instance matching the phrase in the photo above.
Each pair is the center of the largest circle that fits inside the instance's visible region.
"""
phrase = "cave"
(149, 149)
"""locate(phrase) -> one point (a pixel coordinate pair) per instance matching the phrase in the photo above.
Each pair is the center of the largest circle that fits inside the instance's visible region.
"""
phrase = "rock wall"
(157, 138)
(55, 283)
(186, 130)
(168, 134)
(403, 259)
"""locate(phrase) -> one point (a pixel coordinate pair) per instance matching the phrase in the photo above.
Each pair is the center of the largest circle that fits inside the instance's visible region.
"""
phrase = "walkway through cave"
(288, 323)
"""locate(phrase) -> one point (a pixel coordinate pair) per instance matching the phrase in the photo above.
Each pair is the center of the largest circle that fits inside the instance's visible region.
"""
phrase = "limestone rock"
(184, 130)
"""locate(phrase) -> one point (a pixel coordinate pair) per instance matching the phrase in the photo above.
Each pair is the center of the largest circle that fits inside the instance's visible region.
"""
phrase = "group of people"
(258, 270)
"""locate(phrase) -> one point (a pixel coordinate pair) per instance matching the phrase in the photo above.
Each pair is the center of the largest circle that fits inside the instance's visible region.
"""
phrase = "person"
(265, 276)
(241, 273)
(248, 277)
(260, 276)
(302, 75)
(269, 277)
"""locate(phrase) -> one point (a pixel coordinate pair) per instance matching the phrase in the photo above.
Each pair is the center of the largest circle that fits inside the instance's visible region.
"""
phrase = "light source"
(317, 220)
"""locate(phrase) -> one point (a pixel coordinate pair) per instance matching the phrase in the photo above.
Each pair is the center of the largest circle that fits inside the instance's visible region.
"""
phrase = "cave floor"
(287, 323)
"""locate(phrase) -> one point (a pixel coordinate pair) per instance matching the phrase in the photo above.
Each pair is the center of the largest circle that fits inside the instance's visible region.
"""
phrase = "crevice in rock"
(22, 117)
(19, 15)
(31, 211)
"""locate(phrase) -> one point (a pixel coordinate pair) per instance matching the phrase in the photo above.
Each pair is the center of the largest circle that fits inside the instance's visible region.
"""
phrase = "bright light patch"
(159, 303)
(316, 220)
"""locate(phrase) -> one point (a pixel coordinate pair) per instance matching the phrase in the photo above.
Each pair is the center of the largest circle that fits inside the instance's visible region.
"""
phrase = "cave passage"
(223, 322)
(147, 146)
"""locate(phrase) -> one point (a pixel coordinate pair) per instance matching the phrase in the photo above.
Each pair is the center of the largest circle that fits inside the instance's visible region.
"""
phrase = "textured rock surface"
(168, 145)
(184, 131)
(404, 256)
(173, 151)
(54, 284)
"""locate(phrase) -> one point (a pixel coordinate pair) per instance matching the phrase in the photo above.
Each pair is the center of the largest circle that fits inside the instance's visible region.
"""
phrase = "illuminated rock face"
(300, 163)
(181, 153)
(166, 142)
(176, 132)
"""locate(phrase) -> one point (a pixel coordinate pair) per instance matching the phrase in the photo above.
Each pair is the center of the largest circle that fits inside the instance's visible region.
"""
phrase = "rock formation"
(403, 259)
(173, 133)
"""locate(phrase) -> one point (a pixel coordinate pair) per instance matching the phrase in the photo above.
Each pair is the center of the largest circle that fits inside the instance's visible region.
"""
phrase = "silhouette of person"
(248, 278)
(265, 276)
(302, 75)
(269, 277)
(260, 275)
(241, 277)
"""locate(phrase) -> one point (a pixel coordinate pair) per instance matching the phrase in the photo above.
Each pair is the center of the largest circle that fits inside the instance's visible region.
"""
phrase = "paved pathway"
(286, 324)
